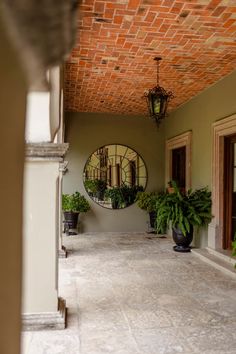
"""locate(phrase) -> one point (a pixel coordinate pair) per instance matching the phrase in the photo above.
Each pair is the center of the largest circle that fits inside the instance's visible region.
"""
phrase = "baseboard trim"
(46, 321)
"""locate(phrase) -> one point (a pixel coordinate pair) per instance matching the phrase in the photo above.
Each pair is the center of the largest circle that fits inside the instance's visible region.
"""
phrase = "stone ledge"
(46, 321)
(222, 263)
(46, 150)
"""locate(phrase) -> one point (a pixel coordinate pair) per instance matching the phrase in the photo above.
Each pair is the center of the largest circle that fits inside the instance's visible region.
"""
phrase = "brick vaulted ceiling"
(112, 63)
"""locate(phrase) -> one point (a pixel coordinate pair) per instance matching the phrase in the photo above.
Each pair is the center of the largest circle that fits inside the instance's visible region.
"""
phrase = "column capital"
(42, 151)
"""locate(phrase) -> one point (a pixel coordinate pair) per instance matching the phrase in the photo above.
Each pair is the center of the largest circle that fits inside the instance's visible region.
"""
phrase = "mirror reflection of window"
(132, 167)
(113, 175)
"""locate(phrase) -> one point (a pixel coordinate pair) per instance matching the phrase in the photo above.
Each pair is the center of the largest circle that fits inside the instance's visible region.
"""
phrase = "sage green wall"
(86, 132)
(217, 102)
(198, 115)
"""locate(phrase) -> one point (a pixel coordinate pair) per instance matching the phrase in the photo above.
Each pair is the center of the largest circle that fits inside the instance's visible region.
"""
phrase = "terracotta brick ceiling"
(112, 63)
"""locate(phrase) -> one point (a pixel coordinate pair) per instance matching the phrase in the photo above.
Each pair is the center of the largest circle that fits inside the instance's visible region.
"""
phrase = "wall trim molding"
(221, 129)
(47, 320)
(46, 150)
(180, 140)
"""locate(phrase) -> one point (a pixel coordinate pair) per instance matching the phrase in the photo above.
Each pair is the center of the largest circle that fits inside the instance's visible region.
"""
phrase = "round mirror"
(113, 175)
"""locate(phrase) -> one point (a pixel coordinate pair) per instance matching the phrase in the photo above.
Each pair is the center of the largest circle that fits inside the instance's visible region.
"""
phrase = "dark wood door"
(229, 191)
(179, 166)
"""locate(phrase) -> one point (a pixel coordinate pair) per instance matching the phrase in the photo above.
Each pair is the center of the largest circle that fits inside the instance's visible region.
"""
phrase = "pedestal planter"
(182, 242)
(71, 221)
(72, 205)
(152, 219)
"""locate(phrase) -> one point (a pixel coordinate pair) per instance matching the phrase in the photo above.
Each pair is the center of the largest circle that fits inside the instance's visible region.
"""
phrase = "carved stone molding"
(184, 139)
(43, 151)
(221, 129)
(63, 167)
(47, 320)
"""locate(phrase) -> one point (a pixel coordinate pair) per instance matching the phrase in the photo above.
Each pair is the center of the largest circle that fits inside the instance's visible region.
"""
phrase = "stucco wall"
(198, 115)
(217, 102)
(86, 132)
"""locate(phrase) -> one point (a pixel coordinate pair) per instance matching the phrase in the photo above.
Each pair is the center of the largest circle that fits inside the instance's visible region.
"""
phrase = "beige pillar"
(12, 118)
(41, 307)
(62, 253)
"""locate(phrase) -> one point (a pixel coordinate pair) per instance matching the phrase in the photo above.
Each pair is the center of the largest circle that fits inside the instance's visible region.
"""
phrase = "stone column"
(62, 253)
(42, 309)
(12, 124)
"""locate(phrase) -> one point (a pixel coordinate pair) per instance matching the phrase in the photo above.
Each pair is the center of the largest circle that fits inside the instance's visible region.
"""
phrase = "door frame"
(180, 140)
(228, 189)
(221, 129)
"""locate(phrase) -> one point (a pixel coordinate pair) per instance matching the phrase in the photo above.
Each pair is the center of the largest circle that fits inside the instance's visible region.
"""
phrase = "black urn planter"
(152, 219)
(182, 241)
(70, 220)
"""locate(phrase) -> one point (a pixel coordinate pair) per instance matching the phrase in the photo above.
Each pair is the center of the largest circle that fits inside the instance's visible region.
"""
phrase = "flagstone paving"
(130, 293)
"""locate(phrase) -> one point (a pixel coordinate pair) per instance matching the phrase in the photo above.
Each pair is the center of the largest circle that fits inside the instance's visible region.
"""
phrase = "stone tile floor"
(132, 294)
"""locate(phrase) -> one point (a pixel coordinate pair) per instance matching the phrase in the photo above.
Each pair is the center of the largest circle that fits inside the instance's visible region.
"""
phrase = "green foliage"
(146, 201)
(161, 210)
(234, 248)
(75, 202)
(129, 193)
(95, 186)
(183, 209)
(122, 196)
(116, 196)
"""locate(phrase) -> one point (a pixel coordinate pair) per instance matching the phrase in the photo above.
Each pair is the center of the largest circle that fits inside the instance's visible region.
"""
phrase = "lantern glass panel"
(156, 105)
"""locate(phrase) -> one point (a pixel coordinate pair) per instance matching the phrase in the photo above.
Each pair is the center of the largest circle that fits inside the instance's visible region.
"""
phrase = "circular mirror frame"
(98, 191)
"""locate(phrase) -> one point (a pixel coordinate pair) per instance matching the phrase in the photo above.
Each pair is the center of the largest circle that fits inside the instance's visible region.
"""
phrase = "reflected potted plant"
(183, 212)
(95, 187)
(129, 193)
(101, 186)
(116, 197)
(90, 186)
(72, 206)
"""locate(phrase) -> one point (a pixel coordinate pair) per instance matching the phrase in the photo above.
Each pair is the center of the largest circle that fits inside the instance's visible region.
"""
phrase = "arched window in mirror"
(113, 175)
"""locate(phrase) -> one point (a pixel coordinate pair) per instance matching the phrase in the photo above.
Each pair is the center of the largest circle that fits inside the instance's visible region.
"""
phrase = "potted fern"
(183, 211)
(72, 205)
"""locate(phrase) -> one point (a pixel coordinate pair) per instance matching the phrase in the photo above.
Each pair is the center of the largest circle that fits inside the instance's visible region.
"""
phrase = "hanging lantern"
(158, 99)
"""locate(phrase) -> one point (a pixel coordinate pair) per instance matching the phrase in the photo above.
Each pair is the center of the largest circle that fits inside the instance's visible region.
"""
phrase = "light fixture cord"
(157, 72)
(157, 60)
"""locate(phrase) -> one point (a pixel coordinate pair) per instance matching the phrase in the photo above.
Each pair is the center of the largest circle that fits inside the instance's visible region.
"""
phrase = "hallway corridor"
(132, 294)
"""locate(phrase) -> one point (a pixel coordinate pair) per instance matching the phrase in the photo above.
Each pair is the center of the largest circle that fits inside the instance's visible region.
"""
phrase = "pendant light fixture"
(158, 99)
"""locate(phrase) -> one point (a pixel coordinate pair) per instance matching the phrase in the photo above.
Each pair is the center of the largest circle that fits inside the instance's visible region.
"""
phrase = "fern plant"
(183, 210)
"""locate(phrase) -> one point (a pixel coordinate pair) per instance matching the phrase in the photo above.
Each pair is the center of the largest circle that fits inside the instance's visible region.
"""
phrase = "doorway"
(178, 159)
(179, 166)
(229, 191)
